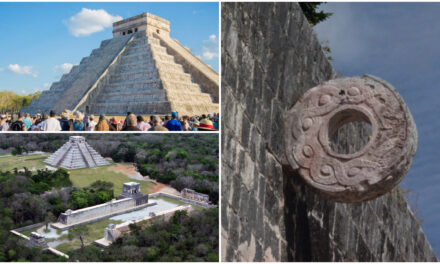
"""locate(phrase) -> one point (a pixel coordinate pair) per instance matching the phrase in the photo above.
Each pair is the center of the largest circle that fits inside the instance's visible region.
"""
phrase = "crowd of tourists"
(78, 121)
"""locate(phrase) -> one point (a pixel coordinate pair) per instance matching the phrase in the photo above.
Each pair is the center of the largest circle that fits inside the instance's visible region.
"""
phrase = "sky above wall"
(41, 41)
(398, 42)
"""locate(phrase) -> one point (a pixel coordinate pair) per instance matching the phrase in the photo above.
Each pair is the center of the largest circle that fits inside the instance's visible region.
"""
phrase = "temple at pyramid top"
(141, 70)
(76, 154)
(143, 22)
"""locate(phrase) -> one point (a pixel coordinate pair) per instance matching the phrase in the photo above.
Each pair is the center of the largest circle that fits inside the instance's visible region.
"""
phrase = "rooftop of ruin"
(143, 22)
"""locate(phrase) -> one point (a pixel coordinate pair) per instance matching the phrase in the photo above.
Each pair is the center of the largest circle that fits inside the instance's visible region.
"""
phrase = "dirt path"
(130, 170)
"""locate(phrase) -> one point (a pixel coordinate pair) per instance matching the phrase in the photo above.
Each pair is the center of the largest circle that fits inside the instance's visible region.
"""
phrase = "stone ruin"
(76, 154)
(141, 70)
(37, 240)
(193, 195)
(133, 190)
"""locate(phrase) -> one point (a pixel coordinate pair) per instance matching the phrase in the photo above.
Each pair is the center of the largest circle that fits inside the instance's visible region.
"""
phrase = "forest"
(181, 160)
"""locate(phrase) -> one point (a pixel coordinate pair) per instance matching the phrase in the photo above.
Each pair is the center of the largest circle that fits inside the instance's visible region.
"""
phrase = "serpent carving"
(373, 170)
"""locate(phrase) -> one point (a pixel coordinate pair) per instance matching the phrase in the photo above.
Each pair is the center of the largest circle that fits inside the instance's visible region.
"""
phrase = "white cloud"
(24, 70)
(45, 86)
(210, 48)
(64, 68)
(90, 21)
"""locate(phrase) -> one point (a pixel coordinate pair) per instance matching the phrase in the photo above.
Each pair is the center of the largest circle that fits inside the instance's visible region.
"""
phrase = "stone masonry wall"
(270, 57)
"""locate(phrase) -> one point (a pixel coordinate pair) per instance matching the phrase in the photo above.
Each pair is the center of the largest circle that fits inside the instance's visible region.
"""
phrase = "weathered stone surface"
(270, 58)
(369, 172)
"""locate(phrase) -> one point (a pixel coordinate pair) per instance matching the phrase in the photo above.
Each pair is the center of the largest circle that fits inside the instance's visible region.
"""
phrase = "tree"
(310, 11)
(78, 232)
(50, 217)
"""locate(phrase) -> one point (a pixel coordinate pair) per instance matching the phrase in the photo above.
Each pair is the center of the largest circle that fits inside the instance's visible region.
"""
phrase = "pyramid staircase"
(76, 154)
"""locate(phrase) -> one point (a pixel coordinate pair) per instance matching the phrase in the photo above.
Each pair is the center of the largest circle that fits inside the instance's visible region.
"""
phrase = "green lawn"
(85, 177)
(175, 201)
(31, 162)
(96, 231)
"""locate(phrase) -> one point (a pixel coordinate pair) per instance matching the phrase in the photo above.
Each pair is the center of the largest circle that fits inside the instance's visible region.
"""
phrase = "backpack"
(17, 126)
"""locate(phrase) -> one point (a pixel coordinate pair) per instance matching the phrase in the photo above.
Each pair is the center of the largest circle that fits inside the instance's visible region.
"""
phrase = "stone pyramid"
(76, 154)
(141, 70)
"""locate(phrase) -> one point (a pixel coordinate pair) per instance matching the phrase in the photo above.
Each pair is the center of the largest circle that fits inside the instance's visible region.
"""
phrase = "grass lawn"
(31, 162)
(85, 177)
(174, 201)
(29, 231)
(96, 231)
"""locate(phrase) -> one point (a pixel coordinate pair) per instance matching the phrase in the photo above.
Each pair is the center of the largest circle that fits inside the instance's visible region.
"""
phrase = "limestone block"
(369, 172)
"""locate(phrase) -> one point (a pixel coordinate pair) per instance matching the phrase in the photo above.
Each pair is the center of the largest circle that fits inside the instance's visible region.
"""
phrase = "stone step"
(196, 109)
(129, 59)
(160, 107)
(170, 65)
(176, 85)
(188, 97)
(135, 84)
(153, 40)
(175, 76)
(129, 97)
(137, 65)
(121, 71)
(163, 57)
(134, 76)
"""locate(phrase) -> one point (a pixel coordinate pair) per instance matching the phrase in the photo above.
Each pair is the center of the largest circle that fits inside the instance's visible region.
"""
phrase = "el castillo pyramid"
(76, 154)
(141, 70)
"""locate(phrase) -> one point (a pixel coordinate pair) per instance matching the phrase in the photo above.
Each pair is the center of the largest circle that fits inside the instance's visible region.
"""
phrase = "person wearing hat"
(4, 126)
(51, 124)
(206, 125)
(156, 125)
(174, 124)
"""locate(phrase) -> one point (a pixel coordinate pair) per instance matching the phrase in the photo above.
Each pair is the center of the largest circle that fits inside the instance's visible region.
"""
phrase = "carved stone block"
(372, 170)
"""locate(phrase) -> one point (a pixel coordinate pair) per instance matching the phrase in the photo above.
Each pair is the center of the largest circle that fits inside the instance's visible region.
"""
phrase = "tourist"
(113, 124)
(142, 125)
(206, 125)
(51, 124)
(102, 124)
(174, 124)
(157, 125)
(130, 123)
(64, 121)
(18, 125)
(185, 123)
(78, 124)
(165, 121)
(151, 121)
(4, 126)
(195, 126)
(92, 123)
(27, 121)
(85, 121)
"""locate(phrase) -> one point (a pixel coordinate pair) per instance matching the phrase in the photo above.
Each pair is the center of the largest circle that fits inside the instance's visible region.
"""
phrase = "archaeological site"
(141, 70)
(292, 189)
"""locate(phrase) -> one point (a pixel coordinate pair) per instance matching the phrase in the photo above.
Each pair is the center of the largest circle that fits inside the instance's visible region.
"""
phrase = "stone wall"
(270, 57)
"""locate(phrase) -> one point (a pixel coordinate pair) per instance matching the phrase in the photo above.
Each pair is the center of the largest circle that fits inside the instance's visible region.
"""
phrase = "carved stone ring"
(369, 172)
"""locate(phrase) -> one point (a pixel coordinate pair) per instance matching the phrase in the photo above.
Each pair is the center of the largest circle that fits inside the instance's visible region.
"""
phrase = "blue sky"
(40, 41)
(398, 42)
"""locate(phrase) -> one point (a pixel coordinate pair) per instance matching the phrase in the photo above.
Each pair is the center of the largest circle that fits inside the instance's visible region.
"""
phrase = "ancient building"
(76, 154)
(270, 58)
(141, 69)
(131, 199)
(193, 195)
(133, 190)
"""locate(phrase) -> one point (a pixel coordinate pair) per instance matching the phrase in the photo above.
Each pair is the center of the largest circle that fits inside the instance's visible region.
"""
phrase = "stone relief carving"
(369, 172)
